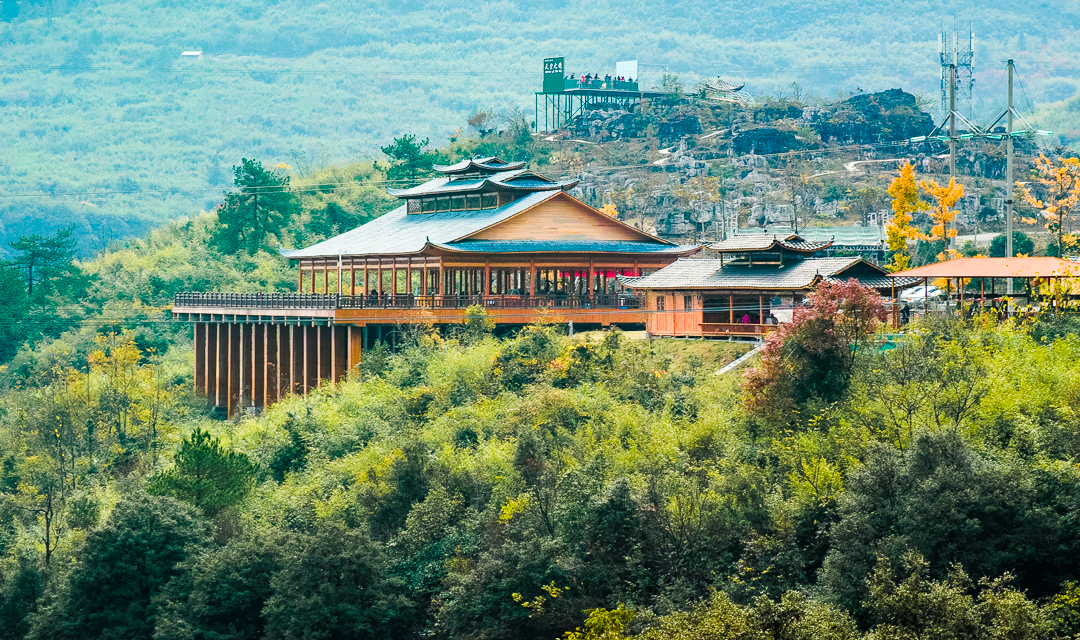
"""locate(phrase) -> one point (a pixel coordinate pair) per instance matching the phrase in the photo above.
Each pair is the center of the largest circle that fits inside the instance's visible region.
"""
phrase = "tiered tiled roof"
(800, 275)
(761, 242)
(398, 232)
(488, 164)
(521, 180)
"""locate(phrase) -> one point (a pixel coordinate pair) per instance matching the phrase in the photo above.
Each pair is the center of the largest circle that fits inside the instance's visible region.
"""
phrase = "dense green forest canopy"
(849, 484)
(467, 486)
(105, 126)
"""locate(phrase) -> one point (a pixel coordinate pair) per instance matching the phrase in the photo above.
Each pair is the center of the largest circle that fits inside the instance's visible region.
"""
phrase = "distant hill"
(104, 125)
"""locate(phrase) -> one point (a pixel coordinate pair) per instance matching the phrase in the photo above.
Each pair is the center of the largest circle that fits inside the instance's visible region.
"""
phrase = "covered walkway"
(993, 274)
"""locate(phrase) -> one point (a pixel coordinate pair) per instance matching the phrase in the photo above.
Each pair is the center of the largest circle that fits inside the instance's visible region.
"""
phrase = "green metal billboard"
(554, 71)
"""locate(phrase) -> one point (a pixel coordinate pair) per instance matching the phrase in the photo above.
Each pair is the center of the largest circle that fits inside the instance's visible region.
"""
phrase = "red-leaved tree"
(810, 358)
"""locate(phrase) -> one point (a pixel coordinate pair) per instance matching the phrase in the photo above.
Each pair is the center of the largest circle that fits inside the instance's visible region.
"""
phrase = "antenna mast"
(1009, 179)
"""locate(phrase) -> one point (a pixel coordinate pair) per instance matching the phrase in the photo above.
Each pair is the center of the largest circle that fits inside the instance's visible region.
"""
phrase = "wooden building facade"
(486, 232)
(755, 284)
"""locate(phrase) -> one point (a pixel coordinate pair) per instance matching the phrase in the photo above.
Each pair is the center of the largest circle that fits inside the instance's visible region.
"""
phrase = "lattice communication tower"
(953, 51)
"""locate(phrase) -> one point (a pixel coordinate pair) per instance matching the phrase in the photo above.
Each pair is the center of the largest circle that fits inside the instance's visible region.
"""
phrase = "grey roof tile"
(577, 246)
(762, 241)
(397, 232)
(709, 274)
(517, 179)
(490, 163)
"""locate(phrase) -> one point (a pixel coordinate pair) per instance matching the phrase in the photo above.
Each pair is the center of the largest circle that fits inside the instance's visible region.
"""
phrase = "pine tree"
(206, 475)
(260, 207)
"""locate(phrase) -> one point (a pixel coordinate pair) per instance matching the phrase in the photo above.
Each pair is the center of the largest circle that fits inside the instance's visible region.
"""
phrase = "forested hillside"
(849, 485)
(104, 125)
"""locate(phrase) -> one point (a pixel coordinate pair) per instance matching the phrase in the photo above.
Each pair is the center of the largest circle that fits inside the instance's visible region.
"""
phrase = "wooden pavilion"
(756, 283)
(486, 232)
(992, 274)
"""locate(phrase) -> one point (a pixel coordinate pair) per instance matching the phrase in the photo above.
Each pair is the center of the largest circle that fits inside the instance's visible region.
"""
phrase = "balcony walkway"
(324, 309)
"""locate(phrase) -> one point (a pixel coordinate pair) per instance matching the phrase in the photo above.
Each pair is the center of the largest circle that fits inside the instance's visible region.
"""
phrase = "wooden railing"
(399, 301)
(737, 328)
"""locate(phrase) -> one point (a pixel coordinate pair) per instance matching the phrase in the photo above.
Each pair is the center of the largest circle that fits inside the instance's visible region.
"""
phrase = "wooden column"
(333, 353)
(244, 388)
(364, 288)
(761, 309)
(326, 353)
(341, 352)
(258, 365)
(312, 264)
(284, 372)
(200, 358)
(731, 308)
(442, 276)
(233, 369)
(352, 277)
(210, 356)
(300, 268)
(270, 365)
(306, 356)
(532, 277)
(298, 349)
(487, 278)
(379, 282)
(355, 337)
(408, 277)
(590, 289)
(320, 361)
(221, 384)
(423, 279)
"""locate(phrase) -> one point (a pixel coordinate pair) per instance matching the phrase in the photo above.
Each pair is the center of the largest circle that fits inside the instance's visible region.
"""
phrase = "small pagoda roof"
(488, 164)
(515, 180)
(805, 274)
(762, 242)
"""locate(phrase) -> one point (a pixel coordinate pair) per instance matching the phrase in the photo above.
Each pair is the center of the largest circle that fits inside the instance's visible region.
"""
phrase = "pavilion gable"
(562, 217)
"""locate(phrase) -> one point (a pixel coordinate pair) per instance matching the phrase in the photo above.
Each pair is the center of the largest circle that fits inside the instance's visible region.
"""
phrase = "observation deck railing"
(284, 301)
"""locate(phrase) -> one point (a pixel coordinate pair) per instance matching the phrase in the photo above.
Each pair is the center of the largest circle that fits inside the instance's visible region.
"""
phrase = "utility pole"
(952, 139)
(1009, 180)
(952, 120)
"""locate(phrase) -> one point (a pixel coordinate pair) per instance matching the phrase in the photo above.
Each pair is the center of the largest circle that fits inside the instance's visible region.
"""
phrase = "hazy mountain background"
(104, 125)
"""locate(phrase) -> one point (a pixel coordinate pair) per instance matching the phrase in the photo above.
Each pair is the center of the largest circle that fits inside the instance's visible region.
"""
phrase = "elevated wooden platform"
(253, 349)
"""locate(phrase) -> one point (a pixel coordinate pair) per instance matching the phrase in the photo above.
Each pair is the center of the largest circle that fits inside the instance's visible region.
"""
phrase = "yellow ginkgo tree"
(1060, 188)
(942, 213)
(906, 203)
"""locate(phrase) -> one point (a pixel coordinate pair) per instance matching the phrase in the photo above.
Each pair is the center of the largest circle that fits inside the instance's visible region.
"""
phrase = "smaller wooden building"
(754, 284)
